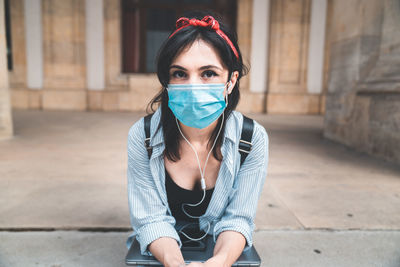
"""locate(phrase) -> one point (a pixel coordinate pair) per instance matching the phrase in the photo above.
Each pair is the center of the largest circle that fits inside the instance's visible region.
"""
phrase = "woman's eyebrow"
(201, 68)
(177, 67)
(210, 67)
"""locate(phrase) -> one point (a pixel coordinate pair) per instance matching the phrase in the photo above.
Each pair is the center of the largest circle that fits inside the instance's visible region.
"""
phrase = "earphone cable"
(202, 174)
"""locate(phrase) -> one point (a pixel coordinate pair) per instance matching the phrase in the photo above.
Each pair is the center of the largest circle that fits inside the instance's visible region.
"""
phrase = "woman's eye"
(209, 74)
(178, 74)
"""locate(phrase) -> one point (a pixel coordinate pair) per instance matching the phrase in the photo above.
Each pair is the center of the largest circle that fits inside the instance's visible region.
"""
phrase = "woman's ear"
(232, 81)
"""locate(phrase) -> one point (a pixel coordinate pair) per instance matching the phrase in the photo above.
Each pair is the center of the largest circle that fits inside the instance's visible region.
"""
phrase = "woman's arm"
(227, 249)
(239, 214)
(166, 251)
(235, 228)
(148, 213)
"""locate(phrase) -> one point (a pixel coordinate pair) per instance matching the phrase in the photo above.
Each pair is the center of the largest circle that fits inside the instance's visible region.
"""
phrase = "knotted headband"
(207, 22)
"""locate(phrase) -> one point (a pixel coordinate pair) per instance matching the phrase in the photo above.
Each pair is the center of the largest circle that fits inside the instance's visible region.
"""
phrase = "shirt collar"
(158, 137)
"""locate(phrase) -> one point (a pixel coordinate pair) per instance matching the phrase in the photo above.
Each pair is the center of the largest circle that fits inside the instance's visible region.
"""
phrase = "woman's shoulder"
(136, 134)
(134, 130)
(260, 140)
(259, 130)
(137, 129)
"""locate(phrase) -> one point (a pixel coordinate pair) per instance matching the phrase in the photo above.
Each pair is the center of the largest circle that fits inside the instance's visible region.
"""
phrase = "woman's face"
(199, 63)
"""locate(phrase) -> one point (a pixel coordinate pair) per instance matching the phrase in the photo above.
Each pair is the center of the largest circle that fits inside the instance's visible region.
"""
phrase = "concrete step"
(277, 248)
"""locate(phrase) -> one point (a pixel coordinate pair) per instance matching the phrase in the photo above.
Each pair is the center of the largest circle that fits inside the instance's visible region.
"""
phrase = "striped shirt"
(234, 201)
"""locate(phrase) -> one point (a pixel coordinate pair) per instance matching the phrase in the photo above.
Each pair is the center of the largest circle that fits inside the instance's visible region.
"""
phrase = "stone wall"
(363, 94)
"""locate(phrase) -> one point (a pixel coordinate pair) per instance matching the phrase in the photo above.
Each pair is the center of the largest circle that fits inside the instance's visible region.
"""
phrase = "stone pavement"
(280, 248)
(64, 174)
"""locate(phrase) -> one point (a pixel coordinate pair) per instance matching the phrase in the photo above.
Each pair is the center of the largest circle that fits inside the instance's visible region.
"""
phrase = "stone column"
(6, 127)
(259, 46)
(26, 75)
(64, 64)
(114, 80)
(17, 76)
(250, 23)
(94, 44)
(288, 53)
(34, 43)
(316, 47)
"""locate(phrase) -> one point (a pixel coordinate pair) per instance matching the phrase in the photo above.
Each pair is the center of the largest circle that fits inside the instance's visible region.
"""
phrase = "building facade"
(72, 54)
(340, 58)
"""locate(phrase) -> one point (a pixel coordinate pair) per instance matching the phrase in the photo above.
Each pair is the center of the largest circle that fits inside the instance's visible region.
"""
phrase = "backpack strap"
(245, 144)
(147, 123)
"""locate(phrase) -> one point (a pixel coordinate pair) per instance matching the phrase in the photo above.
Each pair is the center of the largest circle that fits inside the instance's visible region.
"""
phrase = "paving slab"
(329, 248)
(342, 203)
(308, 248)
(325, 184)
(67, 170)
(272, 212)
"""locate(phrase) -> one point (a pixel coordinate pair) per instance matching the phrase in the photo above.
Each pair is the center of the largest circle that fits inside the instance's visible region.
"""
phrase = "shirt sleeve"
(242, 203)
(148, 215)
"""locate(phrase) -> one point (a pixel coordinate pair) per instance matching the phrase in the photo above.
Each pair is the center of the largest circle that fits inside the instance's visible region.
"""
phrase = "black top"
(177, 196)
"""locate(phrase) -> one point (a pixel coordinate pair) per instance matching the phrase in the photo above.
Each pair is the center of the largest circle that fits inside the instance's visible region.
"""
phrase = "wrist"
(219, 260)
(173, 261)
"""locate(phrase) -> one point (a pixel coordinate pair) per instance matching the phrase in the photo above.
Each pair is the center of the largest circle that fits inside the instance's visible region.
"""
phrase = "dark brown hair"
(168, 51)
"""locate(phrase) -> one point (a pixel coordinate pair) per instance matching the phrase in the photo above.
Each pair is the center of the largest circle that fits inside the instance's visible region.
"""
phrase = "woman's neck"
(198, 136)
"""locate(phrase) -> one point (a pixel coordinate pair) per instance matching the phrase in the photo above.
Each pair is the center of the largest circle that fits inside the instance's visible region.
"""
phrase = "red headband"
(207, 21)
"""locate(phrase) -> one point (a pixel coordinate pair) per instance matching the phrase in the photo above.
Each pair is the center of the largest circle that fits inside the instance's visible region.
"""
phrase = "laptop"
(192, 251)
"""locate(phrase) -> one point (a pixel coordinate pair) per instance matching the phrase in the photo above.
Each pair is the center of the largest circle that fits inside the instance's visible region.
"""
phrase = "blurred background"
(339, 59)
(324, 81)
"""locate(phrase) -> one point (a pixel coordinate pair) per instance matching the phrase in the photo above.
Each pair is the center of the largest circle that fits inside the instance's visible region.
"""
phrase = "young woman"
(194, 172)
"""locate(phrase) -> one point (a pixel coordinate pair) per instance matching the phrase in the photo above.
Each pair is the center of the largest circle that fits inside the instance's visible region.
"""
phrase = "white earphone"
(202, 172)
(203, 182)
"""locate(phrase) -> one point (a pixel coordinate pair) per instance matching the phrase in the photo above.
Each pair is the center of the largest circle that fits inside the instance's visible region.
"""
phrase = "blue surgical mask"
(196, 105)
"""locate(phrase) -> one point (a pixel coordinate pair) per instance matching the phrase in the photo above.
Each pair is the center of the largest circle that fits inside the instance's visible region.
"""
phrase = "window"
(147, 23)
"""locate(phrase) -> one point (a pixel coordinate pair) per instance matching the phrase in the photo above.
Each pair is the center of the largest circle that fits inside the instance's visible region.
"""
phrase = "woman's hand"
(212, 262)
(196, 264)
(215, 261)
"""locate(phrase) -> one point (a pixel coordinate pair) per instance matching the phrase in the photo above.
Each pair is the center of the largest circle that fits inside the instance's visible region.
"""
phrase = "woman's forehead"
(198, 54)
